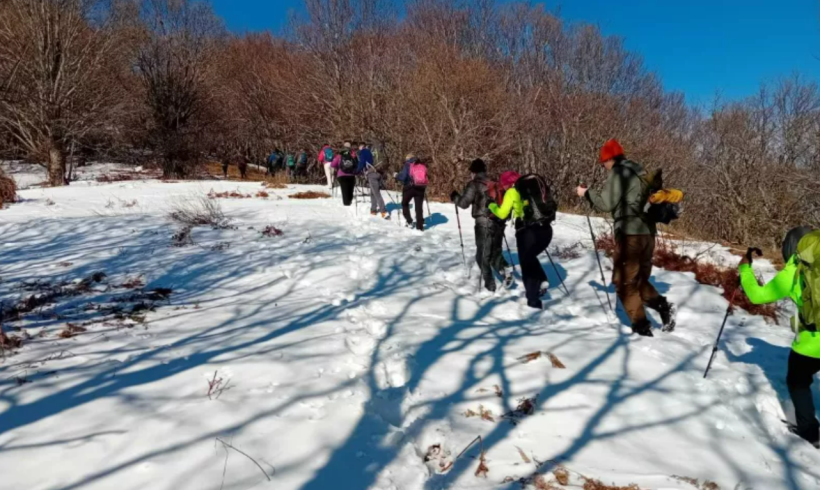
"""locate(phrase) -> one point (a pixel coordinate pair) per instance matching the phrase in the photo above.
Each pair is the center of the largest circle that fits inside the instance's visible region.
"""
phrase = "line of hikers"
(356, 161)
(637, 202)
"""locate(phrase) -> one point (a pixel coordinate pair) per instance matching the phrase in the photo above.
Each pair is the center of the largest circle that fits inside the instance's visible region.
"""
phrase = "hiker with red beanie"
(625, 195)
(530, 202)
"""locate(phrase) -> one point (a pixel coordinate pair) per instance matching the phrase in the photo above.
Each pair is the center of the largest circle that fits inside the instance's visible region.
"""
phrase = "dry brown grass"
(568, 252)
(590, 484)
(310, 195)
(70, 331)
(8, 342)
(8, 189)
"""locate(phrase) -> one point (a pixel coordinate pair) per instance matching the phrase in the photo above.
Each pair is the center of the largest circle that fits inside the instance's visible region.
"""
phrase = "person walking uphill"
(346, 166)
(800, 281)
(625, 195)
(413, 177)
(374, 181)
(325, 159)
(529, 200)
(489, 230)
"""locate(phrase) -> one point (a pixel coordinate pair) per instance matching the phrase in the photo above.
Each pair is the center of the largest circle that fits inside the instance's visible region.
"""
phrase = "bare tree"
(173, 62)
(60, 54)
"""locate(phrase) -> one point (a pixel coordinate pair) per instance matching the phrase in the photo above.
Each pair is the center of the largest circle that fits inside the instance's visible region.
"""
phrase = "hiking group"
(356, 163)
(637, 202)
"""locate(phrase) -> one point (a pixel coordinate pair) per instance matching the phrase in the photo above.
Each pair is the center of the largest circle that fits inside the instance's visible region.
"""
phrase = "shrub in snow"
(8, 189)
(198, 211)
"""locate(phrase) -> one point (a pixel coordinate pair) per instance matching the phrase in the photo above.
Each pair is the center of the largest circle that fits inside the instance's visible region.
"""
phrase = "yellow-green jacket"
(788, 283)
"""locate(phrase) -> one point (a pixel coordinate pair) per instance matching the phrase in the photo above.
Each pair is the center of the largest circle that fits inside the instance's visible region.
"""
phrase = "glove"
(748, 259)
(453, 196)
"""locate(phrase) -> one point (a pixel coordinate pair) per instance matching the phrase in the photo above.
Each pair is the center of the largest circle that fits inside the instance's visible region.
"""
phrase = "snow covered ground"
(348, 347)
(28, 175)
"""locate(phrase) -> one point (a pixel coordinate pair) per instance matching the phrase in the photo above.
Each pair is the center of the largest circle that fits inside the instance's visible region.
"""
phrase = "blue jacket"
(365, 157)
(404, 175)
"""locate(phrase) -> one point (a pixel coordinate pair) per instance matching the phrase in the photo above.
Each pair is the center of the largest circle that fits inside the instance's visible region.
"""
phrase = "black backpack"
(534, 189)
(348, 165)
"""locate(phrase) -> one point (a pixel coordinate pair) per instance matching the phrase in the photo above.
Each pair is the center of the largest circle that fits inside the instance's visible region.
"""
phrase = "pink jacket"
(337, 161)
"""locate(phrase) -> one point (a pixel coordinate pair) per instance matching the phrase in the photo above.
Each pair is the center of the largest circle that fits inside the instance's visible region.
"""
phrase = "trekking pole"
(720, 334)
(729, 310)
(461, 237)
(600, 267)
(557, 273)
(511, 255)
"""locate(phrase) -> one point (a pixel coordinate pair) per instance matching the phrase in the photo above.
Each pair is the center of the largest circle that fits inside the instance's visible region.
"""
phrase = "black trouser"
(799, 379)
(348, 185)
(489, 253)
(414, 193)
(532, 241)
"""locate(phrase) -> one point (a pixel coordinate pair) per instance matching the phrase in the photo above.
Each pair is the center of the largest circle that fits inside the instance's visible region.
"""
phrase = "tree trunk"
(56, 165)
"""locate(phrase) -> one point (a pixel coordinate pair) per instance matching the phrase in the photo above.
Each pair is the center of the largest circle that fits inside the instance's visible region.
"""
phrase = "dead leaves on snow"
(483, 413)
(534, 356)
(498, 392)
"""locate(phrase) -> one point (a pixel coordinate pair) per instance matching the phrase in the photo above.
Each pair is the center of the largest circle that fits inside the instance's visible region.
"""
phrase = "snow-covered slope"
(348, 347)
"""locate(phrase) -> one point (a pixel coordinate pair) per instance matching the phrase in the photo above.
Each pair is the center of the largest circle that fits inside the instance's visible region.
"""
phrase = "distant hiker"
(346, 166)
(413, 177)
(290, 162)
(799, 281)
(302, 163)
(226, 162)
(489, 229)
(243, 168)
(530, 201)
(625, 195)
(374, 181)
(271, 163)
(325, 158)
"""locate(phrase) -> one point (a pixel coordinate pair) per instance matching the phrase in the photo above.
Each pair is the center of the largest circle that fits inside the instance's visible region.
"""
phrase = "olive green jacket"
(624, 195)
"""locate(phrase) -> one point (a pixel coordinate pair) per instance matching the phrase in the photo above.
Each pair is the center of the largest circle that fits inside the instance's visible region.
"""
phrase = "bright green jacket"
(512, 204)
(788, 283)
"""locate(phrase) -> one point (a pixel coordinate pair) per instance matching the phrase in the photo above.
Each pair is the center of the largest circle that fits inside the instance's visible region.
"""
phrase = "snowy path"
(349, 346)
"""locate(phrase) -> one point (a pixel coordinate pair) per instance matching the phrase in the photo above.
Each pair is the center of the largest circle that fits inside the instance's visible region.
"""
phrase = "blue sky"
(700, 47)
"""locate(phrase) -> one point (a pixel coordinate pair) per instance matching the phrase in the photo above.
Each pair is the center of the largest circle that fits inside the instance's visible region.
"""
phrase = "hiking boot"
(668, 312)
(410, 224)
(538, 305)
(644, 329)
(385, 215)
(373, 213)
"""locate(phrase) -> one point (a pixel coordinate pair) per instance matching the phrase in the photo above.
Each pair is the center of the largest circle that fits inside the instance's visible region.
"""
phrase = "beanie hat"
(347, 144)
(409, 157)
(478, 166)
(509, 178)
(611, 150)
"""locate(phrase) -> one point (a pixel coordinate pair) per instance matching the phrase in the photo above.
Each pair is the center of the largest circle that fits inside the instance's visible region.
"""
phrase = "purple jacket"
(336, 163)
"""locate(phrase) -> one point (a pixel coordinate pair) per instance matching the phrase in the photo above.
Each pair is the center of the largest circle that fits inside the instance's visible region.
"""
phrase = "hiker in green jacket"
(625, 195)
(797, 281)
(530, 202)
